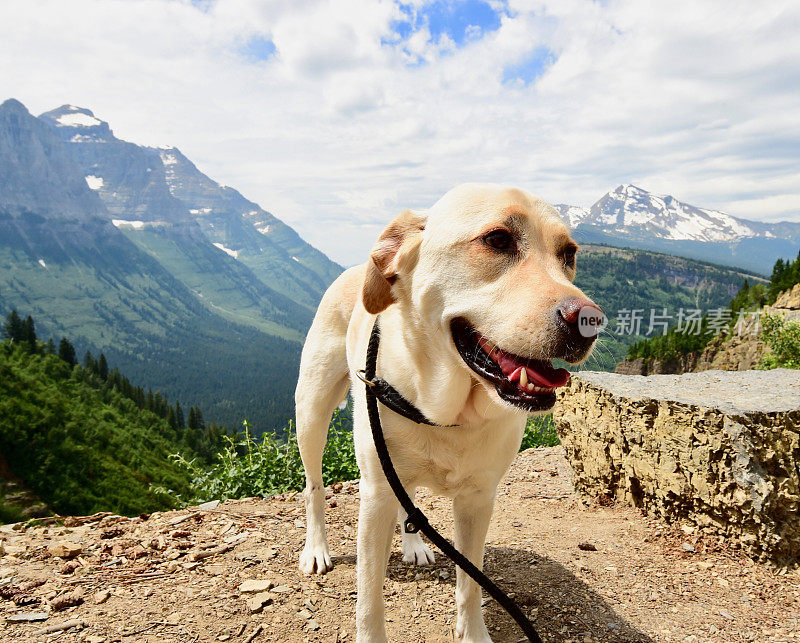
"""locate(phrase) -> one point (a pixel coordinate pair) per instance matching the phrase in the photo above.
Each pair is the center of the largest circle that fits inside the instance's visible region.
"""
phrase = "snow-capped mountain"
(629, 215)
(630, 210)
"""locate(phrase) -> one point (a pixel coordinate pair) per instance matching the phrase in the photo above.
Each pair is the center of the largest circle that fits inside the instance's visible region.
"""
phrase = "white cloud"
(347, 123)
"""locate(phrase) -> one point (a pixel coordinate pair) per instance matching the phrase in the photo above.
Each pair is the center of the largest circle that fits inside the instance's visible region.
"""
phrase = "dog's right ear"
(394, 253)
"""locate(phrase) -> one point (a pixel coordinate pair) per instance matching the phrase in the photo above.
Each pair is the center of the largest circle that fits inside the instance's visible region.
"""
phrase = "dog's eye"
(500, 240)
(568, 256)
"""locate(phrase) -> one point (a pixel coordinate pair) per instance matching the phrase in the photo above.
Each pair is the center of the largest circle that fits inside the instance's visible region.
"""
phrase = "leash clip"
(414, 522)
(360, 374)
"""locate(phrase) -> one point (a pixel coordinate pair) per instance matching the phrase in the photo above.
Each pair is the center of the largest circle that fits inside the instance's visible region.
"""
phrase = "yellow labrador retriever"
(475, 298)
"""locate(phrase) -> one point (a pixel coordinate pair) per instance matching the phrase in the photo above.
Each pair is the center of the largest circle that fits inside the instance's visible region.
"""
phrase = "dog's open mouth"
(527, 383)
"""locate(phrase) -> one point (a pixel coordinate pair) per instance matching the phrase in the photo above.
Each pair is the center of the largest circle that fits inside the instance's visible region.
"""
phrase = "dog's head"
(491, 268)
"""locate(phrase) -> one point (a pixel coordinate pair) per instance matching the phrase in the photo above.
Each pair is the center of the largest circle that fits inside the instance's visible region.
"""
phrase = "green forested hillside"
(123, 303)
(751, 296)
(84, 439)
(622, 279)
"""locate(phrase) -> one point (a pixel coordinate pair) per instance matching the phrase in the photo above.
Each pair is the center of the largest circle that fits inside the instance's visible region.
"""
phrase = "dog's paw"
(481, 636)
(416, 551)
(315, 560)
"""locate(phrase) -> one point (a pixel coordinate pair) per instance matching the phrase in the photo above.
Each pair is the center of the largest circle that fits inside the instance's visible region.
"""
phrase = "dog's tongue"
(540, 372)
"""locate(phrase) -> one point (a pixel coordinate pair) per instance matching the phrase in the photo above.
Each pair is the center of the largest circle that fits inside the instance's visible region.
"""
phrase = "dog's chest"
(449, 461)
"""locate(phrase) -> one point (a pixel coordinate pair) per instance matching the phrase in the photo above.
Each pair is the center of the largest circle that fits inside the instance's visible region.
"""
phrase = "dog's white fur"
(426, 269)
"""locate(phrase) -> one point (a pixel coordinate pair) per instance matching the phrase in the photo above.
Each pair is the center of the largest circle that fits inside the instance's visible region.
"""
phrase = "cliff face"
(718, 449)
(726, 352)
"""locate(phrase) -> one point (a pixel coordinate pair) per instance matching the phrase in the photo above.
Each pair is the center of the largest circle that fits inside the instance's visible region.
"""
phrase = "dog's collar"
(385, 392)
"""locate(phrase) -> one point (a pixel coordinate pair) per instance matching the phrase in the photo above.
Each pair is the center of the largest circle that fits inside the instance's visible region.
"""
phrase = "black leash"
(416, 520)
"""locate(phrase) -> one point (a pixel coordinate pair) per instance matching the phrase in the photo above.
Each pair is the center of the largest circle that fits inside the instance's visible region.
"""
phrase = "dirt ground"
(180, 576)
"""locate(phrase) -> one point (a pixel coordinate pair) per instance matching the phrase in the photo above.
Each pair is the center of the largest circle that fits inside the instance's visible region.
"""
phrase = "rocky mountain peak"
(37, 174)
(12, 105)
(78, 124)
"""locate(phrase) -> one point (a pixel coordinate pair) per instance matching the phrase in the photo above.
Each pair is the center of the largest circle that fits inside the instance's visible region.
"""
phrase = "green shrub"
(539, 432)
(246, 466)
(783, 339)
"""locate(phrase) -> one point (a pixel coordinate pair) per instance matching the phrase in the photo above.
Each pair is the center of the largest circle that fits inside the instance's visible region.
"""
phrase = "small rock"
(282, 589)
(688, 547)
(258, 601)
(254, 586)
(66, 600)
(587, 546)
(95, 639)
(28, 617)
(174, 618)
(304, 613)
(444, 574)
(726, 614)
(101, 597)
(313, 625)
(136, 552)
(66, 549)
(211, 504)
(69, 567)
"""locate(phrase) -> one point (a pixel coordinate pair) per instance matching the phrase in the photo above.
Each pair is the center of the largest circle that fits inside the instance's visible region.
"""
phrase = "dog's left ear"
(394, 254)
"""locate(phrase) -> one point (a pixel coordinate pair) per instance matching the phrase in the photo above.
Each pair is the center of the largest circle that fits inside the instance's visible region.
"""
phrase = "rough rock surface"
(718, 448)
(787, 304)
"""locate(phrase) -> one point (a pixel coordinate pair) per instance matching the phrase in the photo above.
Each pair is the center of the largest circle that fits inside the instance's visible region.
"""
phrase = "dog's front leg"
(376, 523)
(472, 512)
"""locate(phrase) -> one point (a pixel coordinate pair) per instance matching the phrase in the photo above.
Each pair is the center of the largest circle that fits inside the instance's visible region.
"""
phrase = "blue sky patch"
(258, 49)
(530, 67)
(460, 20)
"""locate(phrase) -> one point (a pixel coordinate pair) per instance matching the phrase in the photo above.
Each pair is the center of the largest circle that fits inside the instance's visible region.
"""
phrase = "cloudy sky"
(337, 114)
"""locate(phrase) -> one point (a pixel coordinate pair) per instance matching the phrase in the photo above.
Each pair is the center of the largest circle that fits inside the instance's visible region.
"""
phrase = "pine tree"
(12, 329)
(172, 419)
(195, 421)
(50, 347)
(66, 351)
(102, 367)
(29, 333)
(179, 419)
(89, 362)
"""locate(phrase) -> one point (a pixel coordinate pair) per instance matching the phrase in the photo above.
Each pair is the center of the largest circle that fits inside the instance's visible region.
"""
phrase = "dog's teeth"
(531, 387)
(523, 378)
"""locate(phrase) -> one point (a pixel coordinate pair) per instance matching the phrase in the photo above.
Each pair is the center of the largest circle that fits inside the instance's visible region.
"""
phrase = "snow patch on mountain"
(232, 253)
(94, 182)
(42, 263)
(572, 215)
(136, 225)
(78, 119)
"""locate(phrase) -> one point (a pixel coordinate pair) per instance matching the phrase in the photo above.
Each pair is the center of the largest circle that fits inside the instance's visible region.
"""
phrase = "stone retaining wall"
(720, 449)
